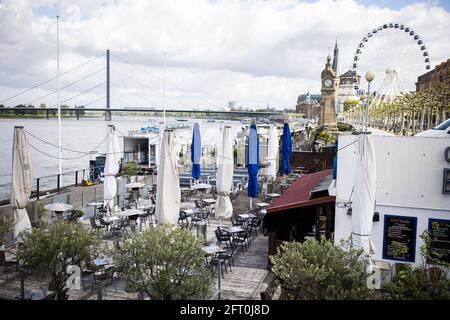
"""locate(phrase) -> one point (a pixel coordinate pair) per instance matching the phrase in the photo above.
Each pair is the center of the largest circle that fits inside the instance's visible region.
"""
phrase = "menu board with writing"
(440, 238)
(399, 238)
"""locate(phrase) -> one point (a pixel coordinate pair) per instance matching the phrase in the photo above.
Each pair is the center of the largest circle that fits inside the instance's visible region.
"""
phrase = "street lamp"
(370, 75)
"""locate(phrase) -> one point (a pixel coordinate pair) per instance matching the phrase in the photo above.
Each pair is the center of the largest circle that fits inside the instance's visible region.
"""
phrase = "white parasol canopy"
(224, 208)
(364, 195)
(21, 181)
(111, 169)
(272, 151)
(168, 193)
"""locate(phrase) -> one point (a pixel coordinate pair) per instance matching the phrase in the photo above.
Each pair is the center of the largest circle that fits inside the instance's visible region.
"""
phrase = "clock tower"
(329, 93)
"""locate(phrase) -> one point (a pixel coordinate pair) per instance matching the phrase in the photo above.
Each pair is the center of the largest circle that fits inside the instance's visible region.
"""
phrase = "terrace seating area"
(235, 246)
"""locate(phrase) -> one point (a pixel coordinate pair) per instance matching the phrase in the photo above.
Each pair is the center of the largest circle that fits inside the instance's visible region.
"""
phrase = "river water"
(83, 135)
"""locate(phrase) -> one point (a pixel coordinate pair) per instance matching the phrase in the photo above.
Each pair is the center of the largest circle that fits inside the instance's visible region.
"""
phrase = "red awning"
(298, 194)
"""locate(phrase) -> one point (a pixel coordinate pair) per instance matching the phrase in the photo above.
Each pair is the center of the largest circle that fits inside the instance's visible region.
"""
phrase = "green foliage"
(321, 270)
(48, 252)
(6, 226)
(130, 169)
(164, 263)
(40, 220)
(416, 284)
(426, 282)
(342, 126)
(349, 104)
(326, 136)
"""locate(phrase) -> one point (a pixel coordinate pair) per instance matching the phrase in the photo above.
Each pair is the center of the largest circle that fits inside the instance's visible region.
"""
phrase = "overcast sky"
(257, 53)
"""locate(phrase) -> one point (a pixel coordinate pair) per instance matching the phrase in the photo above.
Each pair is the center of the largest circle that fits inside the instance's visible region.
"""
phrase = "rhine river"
(82, 135)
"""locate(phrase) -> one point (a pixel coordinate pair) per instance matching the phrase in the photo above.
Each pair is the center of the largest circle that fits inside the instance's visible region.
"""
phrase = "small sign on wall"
(440, 238)
(399, 238)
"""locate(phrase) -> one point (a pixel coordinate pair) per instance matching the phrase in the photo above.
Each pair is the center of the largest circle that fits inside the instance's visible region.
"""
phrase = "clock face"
(327, 83)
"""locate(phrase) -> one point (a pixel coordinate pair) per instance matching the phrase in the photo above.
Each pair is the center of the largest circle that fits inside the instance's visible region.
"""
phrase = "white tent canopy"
(224, 208)
(111, 169)
(364, 195)
(168, 193)
(21, 181)
(272, 151)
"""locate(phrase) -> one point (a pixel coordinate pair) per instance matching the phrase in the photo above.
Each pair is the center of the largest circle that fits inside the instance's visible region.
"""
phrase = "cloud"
(255, 52)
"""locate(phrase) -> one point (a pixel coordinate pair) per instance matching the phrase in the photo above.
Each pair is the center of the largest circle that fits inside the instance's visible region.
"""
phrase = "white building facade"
(410, 196)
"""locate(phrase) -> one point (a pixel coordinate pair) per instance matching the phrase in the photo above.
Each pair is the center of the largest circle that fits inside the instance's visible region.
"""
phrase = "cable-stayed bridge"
(98, 83)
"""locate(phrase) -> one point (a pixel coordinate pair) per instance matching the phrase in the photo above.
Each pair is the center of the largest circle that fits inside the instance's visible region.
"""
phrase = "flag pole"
(58, 96)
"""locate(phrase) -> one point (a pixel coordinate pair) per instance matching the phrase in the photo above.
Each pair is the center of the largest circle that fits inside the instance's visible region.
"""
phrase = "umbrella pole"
(251, 203)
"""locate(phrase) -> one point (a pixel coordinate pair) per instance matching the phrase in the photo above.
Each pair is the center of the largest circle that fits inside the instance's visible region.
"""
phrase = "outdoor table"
(203, 187)
(101, 262)
(35, 294)
(58, 208)
(96, 206)
(129, 213)
(132, 215)
(272, 195)
(209, 202)
(134, 185)
(188, 212)
(247, 216)
(233, 229)
(262, 205)
(111, 219)
(144, 204)
(212, 249)
(187, 205)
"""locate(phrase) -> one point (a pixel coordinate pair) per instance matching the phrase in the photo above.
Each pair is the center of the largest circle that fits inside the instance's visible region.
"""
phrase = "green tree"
(6, 226)
(320, 270)
(130, 169)
(49, 252)
(164, 263)
(42, 106)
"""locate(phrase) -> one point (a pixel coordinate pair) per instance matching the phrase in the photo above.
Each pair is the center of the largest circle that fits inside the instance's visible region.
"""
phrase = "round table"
(203, 187)
(58, 208)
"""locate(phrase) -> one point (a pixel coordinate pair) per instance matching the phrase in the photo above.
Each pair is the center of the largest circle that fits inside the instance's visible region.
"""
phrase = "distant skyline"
(257, 53)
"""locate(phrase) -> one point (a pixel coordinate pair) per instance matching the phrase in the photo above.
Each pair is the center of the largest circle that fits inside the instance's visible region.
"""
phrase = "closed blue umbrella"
(253, 162)
(286, 150)
(196, 151)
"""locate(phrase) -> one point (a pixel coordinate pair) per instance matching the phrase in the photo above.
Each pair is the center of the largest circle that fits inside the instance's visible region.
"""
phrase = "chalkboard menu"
(440, 238)
(399, 238)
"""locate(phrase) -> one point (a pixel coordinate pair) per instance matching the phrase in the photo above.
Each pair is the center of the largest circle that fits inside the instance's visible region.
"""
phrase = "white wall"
(409, 183)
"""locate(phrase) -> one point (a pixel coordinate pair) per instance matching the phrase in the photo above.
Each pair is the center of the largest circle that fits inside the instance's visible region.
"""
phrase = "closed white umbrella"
(272, 152)
(21, 181)
(224, 208)
(111, 169)
(168, 193)
(364, 195)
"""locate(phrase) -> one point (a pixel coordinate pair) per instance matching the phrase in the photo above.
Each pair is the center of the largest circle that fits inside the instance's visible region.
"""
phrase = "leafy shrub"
(342, 126)
(49, 252)
(130, 169)
(40, 219)
(321, 270)
(326, 136)
(164, 263)
(425, 282)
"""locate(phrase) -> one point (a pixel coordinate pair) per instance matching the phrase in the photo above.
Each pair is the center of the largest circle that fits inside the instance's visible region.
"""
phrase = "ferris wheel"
(397, 55)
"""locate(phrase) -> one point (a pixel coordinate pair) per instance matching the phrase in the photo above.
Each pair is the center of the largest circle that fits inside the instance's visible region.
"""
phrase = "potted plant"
(130, 169)
(49, 252)
(182, 275)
